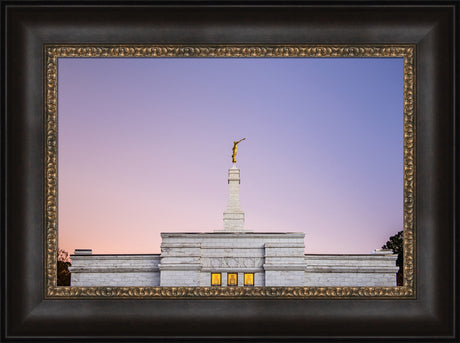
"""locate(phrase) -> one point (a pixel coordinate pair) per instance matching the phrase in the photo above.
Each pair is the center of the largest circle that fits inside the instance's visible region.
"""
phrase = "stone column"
(233, 216)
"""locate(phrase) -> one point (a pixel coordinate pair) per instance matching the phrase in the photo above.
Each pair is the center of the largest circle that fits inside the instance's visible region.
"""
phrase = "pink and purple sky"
(144, 146)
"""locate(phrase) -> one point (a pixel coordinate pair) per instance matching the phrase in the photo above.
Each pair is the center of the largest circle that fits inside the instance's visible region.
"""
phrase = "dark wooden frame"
(27, 315)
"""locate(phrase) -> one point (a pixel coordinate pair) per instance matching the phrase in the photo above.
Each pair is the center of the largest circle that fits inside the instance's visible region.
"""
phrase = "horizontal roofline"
(117, 255)
(304, 254)
(349, 254)
(230, 233)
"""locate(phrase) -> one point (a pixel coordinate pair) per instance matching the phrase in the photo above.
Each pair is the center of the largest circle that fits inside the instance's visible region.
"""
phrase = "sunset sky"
(144, 146)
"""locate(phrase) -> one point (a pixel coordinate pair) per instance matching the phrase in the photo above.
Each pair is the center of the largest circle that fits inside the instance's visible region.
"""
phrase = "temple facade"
(233, 257)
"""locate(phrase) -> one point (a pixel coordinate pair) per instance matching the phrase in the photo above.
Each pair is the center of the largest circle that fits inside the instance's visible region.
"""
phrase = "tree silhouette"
(396, 244)
(63, 264)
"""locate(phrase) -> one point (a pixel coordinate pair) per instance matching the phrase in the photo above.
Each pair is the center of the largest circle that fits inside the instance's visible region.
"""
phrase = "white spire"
(233, 216)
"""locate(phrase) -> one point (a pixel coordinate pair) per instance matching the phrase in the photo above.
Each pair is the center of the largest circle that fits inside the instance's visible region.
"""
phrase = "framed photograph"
(128, 140)
(304, 149)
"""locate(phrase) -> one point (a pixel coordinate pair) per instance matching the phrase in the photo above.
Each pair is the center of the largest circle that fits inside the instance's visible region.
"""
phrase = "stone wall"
(351, 270)
(180, 264)
(284, 264)
(232, 252)
(276, 259)
(115, 270)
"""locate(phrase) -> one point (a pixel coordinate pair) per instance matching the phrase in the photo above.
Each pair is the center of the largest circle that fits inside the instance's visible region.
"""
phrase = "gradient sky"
(144, 146)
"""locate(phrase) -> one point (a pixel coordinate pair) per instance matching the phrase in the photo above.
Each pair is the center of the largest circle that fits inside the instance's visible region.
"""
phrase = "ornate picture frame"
(35, 308)
(407, 52)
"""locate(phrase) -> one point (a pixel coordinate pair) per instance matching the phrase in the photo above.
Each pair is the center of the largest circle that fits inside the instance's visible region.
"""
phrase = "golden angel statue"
(234, 149)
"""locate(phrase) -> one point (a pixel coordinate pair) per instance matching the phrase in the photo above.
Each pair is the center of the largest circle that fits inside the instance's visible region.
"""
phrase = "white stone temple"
(233, 257)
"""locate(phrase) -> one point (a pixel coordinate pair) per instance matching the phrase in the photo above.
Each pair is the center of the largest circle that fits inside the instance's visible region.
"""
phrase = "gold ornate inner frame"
(53, 52)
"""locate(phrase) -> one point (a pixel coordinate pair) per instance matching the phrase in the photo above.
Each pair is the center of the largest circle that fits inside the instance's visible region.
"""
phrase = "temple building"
(233, 257)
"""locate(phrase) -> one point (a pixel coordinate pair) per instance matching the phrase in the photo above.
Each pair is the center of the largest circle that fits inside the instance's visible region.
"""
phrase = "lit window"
(216, 279)
(232, 279)
(249, 279)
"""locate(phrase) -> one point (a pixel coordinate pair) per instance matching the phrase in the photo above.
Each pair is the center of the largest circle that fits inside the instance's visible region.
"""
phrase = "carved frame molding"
(53, 52)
